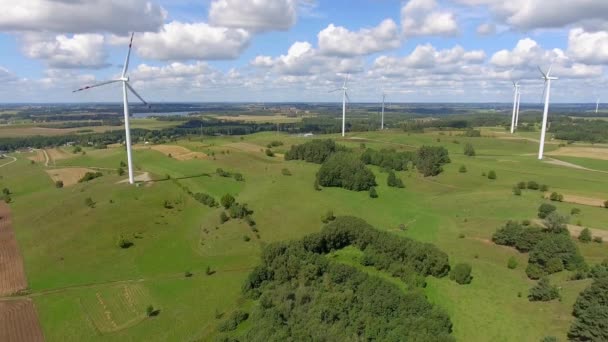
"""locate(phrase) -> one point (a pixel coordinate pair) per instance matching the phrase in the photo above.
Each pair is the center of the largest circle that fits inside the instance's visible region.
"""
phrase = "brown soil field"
(38, 157)
(176, 152)
(19, 321)
(590, 201)
(12, 274)
(583, 152)
(57, 154)
(69, 176)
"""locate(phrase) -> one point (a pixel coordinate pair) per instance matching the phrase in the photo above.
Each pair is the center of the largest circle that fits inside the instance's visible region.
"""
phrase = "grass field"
(259, 118)
(72, 259)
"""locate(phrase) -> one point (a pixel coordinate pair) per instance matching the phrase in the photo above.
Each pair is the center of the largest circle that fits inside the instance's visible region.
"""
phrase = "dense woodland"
(303, 295)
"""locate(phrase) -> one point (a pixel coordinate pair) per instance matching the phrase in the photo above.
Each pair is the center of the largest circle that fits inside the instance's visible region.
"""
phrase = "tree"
(238, 177)
(463, 169)
(560, 247)
(227, 201)
(269, 152)
(123, 242)
(543, 291)
(575, 211)
(532, 185)
(59, 184)
(393, 180)
(151, 312)
(516, 191)
(585, 236)
(346, 170)
(545, 209)
(461, 273)
(6, 191)
(556, 197)
(492, 175)
(430, 160)
(591, 310)
(556, 223)
(544, 188)
(373, 193)
(512, 263)
(121, 171)
(521, 185)
(316, 186)
(469, 150)
(285, 172)
(605, 204)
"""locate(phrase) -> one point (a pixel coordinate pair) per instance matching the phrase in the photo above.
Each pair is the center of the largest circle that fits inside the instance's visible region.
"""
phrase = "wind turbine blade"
(333, 91)
(138, 96)
(542, 99)
(347, 98)
(95, 85)
(549, 71)
(542, 72)
(126, 66)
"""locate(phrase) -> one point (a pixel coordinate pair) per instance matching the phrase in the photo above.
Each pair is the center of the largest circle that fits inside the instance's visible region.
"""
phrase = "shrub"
(227, 201)
(90, 176)
(516, 191)
(394, 181)
(556, 246)
(585, 236)
(346, 170)
(205, 199)
(605, 204)
(575, 211)
(373, 193)
(492, 175)
(544, 188)
(512, 263)
(223, 217)
(232, 322)
(59, 184)
(461, 273)
(209, 271)
(535, 272)
(430, 160)
(388, 159)
(543, 291)
(238, 177)
(269, 152)
(220, 172)
(554, 265)
(123, 242)
(316, 186)
(239, 211)
(246, 238)
(532, 185)
(556, 223)
(274, 143)
(89, 202)
(188, 274)
(150, 311)
(463, 169)
(556, 197)
(120, 171)
(469, 150)
(545, 209)
(286, 172)
(597, 239)
(521, 185)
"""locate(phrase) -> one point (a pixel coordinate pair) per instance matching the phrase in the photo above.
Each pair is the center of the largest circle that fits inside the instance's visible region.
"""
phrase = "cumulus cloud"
(339, 41)
(81, 16)
(199, 41)
(254, 15)
(302, 59)
(534, 14)
(486, 29)
(423, 18)
(588, 47)
(61, 51)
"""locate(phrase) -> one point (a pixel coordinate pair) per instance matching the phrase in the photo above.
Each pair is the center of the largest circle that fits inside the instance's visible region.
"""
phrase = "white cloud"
(81, 16)
(254, 15)
(302, 59)
(422, 18)
(199, 41)
(339, 41)
(588, 47)
(486, 29)
(534, 14)
(61, 51)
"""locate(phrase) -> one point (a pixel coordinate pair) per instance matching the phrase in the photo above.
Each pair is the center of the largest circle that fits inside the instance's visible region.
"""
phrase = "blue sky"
(296, 50)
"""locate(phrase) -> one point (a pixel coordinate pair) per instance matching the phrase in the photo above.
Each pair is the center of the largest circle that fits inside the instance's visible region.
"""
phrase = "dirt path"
(10, 162)
(570, 165)
(46, 158)
(575, 231)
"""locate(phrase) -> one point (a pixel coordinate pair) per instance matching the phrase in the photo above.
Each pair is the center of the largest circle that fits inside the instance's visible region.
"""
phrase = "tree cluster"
(591, 313)
(345, 170)
(205, 199)
(315, 151)
(304, 295)
(430, 160)
(388, 159)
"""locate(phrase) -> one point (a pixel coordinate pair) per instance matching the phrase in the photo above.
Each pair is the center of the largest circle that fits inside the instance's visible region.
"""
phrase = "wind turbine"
(344, 98)
(547, 77)
(382, 120)
(597, 105)
(515, 95)
(517, 110)
(124, 79)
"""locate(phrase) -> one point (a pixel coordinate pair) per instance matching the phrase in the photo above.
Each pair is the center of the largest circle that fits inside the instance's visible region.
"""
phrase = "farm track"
(18, 317)
(10, 162)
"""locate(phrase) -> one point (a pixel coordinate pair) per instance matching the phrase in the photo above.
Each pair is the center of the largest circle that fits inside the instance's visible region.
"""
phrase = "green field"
(72, 259)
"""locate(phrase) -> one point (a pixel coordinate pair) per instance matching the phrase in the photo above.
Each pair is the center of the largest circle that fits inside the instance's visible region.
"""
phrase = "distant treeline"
(595, 131)
(77, 124)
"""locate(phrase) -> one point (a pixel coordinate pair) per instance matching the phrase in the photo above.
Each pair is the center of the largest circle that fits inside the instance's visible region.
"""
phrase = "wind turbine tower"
(124, 79)
(382, 120)
(597, 105)
(515, 95)
(517, 110)
(548, 78)
(344, 98)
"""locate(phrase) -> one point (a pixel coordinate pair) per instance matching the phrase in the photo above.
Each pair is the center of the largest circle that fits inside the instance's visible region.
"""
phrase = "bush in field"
(205, 199)
(575, 211)
(555, 197)
(239, 211)
(605, 204)
(463, 169)
(512, 263)
(585, 236)
(274, 143)
(232, 322)
(516, 191)
(388, 159)
(90, 176)
(556, 223)
(555, 247)
(316, 151)
(227, 201)
(469, 150)
(223, 217)
(123, 242)
(373, 193)
(269, 152)
(238, 177)
(532, 185)
(597, 239)
(89, 202)
(394, 181)
(492, 175)
(545, 209)
(430, 160)
(521, 185)
(544, 188)
(461, 273)
(286, 172)
(543, 291)
(59, 184)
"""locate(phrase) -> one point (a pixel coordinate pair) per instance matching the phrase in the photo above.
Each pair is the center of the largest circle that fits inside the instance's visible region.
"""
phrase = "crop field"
(190, 267)
(19, 321)
(69, 176)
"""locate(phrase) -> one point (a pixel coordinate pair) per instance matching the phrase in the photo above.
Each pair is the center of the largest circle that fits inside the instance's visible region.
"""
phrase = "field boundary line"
(10, 162)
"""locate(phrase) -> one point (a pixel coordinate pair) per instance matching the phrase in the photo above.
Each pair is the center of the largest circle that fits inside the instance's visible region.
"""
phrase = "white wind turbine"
(515, 95)
(517, 110)
(382, 120)
(124, 79)
(547, 77)
(344, 98)
(597, 105)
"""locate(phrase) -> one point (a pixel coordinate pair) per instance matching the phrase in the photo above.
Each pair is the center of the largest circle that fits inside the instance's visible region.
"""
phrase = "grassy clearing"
(78, 256)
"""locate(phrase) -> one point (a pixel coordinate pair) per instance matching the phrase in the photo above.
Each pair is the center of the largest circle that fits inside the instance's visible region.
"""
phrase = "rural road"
(10, 162)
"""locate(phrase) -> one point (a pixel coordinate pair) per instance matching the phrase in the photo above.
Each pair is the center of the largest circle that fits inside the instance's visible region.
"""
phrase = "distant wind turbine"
(124, 79)
(515, 95)
(597, 105)
(382, 120)
(547, 77)
(517, 110)
(344, 98)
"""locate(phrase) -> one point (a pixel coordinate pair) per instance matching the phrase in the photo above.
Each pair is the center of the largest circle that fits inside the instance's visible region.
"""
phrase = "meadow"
(87, 288)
